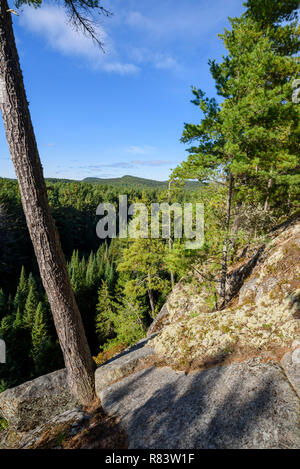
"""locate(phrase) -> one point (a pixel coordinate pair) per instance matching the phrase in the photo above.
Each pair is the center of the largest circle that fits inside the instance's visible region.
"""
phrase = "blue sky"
(122, 112)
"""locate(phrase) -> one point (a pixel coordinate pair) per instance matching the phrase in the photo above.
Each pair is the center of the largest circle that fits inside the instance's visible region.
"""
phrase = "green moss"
(267, 326)
(193, 314)
(225, 329)
(249, 300)
(271, 269)
(3, 424)
(228, 350)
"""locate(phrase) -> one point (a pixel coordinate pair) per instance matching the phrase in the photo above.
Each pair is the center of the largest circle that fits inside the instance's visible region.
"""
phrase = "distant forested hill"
(133, 181)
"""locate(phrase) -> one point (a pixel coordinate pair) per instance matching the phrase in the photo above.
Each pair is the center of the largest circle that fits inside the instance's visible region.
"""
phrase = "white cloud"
(119, 164)
(152, 162)
(137, 150)
(118, 67)
(52, 23)
(166, 21)
(136, 19)
(166, 62)
(164, 33)
(159, 60)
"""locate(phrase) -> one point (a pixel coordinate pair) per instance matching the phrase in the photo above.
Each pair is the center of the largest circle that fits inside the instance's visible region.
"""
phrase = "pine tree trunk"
(23, 149)
(225, 244)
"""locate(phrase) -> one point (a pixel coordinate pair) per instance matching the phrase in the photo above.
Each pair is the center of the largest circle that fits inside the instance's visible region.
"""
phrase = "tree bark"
(226, 242)
(23, 149)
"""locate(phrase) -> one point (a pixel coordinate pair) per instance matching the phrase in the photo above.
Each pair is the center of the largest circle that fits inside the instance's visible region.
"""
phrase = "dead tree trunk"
(23, 149)
(226, 242)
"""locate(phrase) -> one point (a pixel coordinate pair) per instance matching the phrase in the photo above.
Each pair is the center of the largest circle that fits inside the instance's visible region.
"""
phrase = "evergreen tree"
(6, 324)
(109, 275)
(30, 306)
(19, 366)
(143, 260)
(271, 12)
(260, 122)
(31, 281)
(250, 140)
(77, 272)
(39, 330)
(18, 322)
(22, 291)
(91, 271)
(105, 314)
(130, 321)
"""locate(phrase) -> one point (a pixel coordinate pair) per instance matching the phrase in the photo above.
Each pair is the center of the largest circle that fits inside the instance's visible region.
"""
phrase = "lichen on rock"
(264, 317)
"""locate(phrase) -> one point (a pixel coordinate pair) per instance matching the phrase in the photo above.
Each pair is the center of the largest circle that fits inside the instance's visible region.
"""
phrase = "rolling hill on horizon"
(124, 181)
(127, 180)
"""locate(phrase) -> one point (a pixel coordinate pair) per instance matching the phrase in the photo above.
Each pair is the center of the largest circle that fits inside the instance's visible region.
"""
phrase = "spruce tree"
(77, 272)
(39, 330)
(130, 321)
(22, 291)
(18, 322)
(105, 314)
(109, 275)
(143, 261)
(30, 307)
(31, 281)
(91, 271)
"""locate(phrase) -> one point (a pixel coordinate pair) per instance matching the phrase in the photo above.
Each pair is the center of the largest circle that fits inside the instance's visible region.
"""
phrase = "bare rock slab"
(36, 402)
(14, 439)
(241, 405)
(124, 364)
(291, 365)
